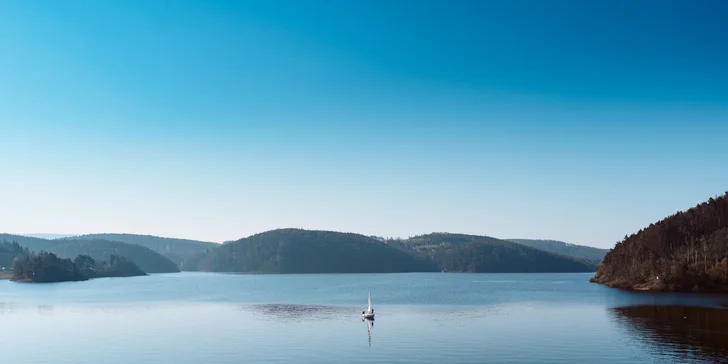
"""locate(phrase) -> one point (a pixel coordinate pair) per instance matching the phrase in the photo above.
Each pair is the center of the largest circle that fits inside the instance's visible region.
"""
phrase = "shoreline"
(658, 288)
(6, 275)
(363, 273)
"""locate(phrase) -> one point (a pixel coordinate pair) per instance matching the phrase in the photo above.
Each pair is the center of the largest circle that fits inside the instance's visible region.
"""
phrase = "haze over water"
(421, 318)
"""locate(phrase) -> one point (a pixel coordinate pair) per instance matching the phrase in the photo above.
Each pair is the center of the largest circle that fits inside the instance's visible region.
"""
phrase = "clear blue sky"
(574, 120)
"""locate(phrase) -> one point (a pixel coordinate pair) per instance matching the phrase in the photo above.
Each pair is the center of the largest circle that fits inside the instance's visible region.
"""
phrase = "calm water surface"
(421, 318)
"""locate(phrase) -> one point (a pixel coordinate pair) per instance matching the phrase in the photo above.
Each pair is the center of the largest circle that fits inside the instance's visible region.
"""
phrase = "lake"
(421, 318)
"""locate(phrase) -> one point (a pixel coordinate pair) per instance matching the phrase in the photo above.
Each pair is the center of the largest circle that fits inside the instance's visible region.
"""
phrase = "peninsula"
(46, 267)
(687, 251)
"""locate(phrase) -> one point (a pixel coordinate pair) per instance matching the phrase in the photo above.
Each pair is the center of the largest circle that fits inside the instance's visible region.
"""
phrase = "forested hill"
(559, 247)
(309, 251)
(177, 250)
(148, 260)
(46, 267)
(687, 251)
(8, 251)
(471, 253)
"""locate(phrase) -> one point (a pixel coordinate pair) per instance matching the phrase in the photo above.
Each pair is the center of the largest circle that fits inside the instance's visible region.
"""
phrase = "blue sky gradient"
(574, 120)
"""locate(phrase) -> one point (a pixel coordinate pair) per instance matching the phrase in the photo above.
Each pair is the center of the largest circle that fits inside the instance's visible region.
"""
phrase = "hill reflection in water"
(690, 334)
(300, 313)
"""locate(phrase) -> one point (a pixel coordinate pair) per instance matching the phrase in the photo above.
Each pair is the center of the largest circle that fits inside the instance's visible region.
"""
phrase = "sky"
(580, 121)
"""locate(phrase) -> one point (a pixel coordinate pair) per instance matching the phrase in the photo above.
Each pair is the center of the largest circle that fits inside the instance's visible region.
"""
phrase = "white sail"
(369, 307)
(369, 313)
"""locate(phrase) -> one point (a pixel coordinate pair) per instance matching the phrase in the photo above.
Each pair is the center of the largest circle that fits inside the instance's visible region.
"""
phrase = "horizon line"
(65, 236)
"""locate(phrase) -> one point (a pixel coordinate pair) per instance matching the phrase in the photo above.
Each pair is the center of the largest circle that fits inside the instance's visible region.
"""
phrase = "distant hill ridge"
(176, 250)
(475, 253)
(308, 251)
(559, 247)
(48, 236)
(148, 260)
(316, 251)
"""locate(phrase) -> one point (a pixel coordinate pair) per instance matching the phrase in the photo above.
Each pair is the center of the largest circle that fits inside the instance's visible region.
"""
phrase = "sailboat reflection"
(370, 325)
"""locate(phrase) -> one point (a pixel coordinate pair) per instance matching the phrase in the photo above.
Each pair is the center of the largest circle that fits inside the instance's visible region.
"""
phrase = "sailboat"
(369, 313)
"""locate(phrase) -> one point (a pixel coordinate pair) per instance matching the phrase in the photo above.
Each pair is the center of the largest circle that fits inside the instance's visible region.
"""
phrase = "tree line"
(47, 267)
(687, 251)
(28, 266)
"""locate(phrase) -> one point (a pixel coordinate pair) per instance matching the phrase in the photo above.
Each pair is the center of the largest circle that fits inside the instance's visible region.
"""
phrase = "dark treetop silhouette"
(46, 267)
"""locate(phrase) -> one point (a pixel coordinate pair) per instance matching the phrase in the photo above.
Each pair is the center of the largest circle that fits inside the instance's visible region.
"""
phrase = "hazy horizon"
(52, 236)
(574, 121)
